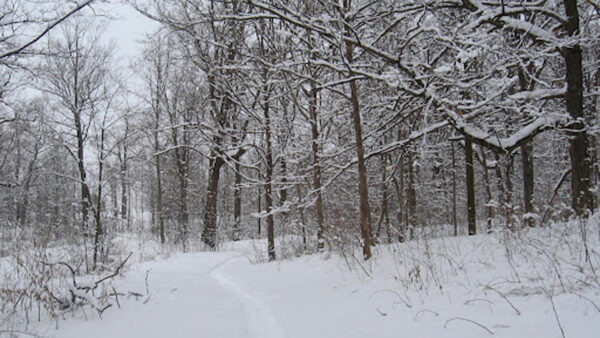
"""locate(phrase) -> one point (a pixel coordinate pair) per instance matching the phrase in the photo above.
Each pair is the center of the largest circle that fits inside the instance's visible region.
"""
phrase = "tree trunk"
(471, 216)
(363, 188)
(302, 220)
(508, 168)
(183, 217)
(209, 233)
(527, 166)
(258, 206)
(124, 197)
(99, 231)
(400, 215)
(454, 221)
(411, 197)
(488, 190)
(159, 192)
(527, 156)
(114, 193)
(314, 126)
(582, 200)
(85, 189)
(269, 184)
(159, 204)
(237, 202)
(384, 217)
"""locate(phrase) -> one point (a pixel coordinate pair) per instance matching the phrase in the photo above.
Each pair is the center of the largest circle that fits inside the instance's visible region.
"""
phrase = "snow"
(506, 143)
(539, 94)
(508, 284)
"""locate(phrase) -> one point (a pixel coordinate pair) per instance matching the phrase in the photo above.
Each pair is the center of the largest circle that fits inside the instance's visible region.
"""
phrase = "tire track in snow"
(261, 321)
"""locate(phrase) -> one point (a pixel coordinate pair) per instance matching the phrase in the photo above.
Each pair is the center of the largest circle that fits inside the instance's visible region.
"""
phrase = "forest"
(430, 139)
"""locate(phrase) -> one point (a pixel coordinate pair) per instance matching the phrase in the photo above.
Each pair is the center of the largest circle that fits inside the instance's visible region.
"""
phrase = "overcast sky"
(127, 30)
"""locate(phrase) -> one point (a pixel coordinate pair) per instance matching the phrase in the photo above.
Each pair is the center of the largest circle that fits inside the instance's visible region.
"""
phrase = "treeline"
(341, 123)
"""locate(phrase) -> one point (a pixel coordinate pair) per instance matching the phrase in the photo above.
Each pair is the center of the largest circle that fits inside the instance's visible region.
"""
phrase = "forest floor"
(455, 287)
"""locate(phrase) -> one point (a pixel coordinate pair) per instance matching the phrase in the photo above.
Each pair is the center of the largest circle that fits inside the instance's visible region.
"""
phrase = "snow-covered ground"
(537, 283)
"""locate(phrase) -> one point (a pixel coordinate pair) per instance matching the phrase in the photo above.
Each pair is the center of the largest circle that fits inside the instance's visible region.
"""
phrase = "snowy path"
(222, 294)
(259, 317)
(192, 296)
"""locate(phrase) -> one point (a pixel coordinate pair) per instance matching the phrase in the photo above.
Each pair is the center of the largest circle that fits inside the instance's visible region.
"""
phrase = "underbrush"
(501, 271)
(45, 283)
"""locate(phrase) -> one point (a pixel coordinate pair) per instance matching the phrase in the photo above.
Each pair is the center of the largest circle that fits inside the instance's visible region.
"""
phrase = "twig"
(478, 300)
(115, 273)
(148, 294)
(383, 314)
(426, 310)
(562, 331)
(393, 292)
(505, 298)
(470, 321)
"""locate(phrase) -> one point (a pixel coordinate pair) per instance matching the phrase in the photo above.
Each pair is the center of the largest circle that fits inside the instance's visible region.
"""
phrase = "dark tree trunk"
(508, 168)
(269, 185)
(302, 220)
(124, 197)
(99, 231)
(454, 221)
(314, 125)
(411, 197)
(471, 216)
(363, 187)
(384, 219)
(85, 189)
(582, 200)
(183, 217)
(114, 193)
(237, 202)
(527, 156)
(209, 233)
(488, 190)
(159, 192)
(258, 205)
(527, 166)
(400, 215)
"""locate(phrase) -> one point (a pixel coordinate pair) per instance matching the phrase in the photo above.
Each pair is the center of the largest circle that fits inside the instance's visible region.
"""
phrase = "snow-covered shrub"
(38, 283)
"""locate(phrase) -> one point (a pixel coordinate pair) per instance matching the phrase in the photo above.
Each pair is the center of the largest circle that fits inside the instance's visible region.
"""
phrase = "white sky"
(127, 30)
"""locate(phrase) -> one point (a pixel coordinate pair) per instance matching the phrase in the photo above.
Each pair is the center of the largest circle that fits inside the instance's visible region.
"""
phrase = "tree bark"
(269, 184)
(237, 202)
(209, 233)
(471, 211)
(314, 126)
(384, 218)
(411, 199)
(302, 220)
(258, 206)
(581, 166)
(124, 211)
(488, 190)
(99, 231)
(528, 182)
(159, 192)
(454, 221)
(363, 188)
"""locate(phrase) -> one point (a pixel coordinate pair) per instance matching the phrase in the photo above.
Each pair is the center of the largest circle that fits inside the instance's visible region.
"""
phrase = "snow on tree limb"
(540, 94)
(506, 144)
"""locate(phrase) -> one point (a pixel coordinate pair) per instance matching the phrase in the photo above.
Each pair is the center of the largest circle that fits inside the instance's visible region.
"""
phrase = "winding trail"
(261, 321)
(191, 296)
